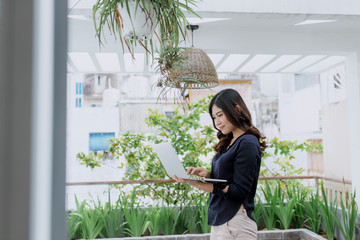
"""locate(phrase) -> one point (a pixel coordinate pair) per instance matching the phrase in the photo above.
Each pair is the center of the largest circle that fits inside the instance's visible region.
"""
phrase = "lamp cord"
(192, 37)
(192, 28)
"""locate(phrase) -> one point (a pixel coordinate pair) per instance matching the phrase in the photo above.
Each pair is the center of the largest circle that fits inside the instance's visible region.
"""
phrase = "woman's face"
(221, 121)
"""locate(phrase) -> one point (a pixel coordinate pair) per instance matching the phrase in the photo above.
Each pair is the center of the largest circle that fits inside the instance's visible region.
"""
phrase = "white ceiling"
(236, 42)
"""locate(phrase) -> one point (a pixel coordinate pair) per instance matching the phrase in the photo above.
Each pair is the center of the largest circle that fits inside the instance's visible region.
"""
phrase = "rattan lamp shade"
(198, 71)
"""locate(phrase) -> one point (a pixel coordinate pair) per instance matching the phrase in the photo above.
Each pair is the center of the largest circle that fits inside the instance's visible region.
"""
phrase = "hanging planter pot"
(133, 21)
(139, 19)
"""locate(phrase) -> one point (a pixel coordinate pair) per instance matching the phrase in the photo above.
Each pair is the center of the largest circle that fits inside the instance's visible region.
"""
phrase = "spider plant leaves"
(168, 15)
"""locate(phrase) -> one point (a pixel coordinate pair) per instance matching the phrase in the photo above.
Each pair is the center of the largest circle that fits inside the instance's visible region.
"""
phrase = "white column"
(16, 39)
(32, 119)
(58, 225)
(353, 122)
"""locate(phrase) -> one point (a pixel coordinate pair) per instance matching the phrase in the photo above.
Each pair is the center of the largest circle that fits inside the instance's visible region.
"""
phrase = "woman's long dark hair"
(228, 100)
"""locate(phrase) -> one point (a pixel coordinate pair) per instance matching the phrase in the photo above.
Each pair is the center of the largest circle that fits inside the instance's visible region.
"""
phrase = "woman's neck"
(237, 133)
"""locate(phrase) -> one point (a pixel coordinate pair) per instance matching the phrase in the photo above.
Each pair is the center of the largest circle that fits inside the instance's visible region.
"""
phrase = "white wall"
(299, 111)
(353, 94)
(81, 122)
(137, 97)
(299, 115)
(269, 84)
(134, 113)
(336, 141)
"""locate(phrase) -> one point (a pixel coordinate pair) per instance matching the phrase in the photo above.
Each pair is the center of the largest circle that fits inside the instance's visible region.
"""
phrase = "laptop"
(172, 164)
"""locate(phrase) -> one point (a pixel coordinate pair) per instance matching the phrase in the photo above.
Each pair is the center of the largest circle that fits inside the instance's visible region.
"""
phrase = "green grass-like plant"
(273, 199)
(181, 227)
(349, 215)
(269, 216)
(73, 223)
(189, 214)
(299, 193)
(328, 210)
(136, 218)
(112, 217)
(168, 219)
(128, 218)
(154, 218)
(91, 222)
(257, 213)
(285, 213)
(313, 217)
(136, 222)
(202, 205)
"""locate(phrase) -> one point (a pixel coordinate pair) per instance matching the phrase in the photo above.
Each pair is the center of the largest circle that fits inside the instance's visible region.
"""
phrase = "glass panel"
(100, 141)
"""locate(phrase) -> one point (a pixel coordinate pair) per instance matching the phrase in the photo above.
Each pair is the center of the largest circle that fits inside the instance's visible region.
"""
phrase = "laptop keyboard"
(197, 178)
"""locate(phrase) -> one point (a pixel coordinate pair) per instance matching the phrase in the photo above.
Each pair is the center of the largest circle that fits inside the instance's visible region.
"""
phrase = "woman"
(237, 160)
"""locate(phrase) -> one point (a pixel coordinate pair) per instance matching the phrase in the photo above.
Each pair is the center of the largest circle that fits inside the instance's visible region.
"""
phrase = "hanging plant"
(133, 21)
(166, 15)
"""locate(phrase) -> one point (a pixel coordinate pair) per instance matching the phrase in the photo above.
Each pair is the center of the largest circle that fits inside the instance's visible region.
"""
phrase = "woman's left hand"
(186, 181)
(208, 187)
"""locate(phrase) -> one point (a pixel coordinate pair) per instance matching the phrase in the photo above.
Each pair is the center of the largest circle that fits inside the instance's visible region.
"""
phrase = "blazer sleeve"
(245, 171)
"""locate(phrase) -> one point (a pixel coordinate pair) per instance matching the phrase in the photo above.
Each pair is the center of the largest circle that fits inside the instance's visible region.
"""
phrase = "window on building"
(79, 88)
(169, 115)
(99, 142)
(78, 102)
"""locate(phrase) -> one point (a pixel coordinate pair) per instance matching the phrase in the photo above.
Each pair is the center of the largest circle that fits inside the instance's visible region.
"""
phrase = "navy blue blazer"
(240, 166)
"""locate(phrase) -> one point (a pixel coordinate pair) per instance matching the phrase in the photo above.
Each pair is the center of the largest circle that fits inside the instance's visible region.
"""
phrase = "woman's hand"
(198, 171)
(186, 181)
(209, 187)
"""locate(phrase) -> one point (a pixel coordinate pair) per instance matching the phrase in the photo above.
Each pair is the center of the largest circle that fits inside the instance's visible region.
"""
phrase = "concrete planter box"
(293, 234)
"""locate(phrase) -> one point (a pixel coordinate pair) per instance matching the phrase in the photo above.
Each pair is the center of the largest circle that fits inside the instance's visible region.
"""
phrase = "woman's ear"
(237, 107)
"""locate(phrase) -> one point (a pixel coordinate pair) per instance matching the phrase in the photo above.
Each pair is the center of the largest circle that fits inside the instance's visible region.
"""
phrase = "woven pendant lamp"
(197, 70)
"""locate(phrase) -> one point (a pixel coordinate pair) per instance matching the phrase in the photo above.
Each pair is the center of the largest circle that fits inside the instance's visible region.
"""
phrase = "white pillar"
(353, 110)
(33, 39)
(16, 39)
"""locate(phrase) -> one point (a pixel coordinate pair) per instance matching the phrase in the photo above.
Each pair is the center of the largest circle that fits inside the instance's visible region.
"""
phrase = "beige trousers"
(240, 227)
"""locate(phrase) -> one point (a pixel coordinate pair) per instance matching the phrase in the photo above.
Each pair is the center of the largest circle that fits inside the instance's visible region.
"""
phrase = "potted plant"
(133, 21)
(143, 16)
